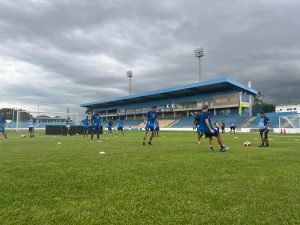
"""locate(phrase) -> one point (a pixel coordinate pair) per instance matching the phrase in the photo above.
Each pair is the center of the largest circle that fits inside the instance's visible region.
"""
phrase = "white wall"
(286, 108)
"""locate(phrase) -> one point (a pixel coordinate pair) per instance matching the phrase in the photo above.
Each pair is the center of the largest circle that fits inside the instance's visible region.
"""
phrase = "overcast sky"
(60, 53)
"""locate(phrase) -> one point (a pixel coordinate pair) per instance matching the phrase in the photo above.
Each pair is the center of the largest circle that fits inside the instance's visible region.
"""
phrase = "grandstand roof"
(205, 87)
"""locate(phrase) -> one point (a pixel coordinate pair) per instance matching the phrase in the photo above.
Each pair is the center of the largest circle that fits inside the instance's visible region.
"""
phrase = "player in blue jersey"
(149, 120)
(96, 126)
(209, 130)
(85, 127)
(31, 126)
(156, 128)
(264, 125)
(109, 127)
(198, 128)
(121, 125)
(2, 125)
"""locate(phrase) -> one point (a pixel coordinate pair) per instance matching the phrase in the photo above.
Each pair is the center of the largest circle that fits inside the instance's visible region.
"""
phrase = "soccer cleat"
(144, 143)
(149, 143)
(212, 149)
(261, 146)
(99, 141)
(199, 142)
(267, 145)
(91, 141)
(224, 148)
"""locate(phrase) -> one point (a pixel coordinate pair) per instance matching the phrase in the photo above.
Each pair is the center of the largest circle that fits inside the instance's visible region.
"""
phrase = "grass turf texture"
(175, 181)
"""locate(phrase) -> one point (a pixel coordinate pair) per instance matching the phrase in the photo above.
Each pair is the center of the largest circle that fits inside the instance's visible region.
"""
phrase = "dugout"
(62, 130)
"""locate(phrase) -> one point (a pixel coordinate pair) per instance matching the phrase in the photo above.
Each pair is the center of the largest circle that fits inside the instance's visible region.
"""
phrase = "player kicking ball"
(209, 131)
(149, 120)
(32, 123)
(264, 125)
(96, 126)
(198, 128)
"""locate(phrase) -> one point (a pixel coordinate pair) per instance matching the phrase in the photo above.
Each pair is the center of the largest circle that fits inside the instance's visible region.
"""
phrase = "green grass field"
(175, 181)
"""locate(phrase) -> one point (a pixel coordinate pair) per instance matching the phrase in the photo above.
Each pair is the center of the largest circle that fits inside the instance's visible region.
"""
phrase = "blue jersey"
(32, 122)
(2, 121)
(86, 123)
(151, 117)
(156, 124)
(110, 124)
(197, 121)
(203, 116)
(120, 122)
(96, 120)
(263, 122)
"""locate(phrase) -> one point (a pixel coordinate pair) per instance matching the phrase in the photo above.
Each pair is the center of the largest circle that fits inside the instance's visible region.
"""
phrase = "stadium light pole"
(199, 53)
(129, 75)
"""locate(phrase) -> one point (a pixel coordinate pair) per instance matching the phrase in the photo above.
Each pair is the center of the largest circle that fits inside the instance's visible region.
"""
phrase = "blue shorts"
(199, 131)
(96, 128)
(2, 129)
(209, 134)
(120, 128)
(156, 128)
(149, 127)
(109, 128)
(85, 128)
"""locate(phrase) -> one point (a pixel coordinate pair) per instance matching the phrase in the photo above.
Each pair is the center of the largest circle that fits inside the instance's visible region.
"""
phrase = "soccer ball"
(247, 143)
(77, 134)
(22, 136)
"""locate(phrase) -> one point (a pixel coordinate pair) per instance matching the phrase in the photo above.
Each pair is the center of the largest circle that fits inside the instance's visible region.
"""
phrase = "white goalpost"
(289, 124)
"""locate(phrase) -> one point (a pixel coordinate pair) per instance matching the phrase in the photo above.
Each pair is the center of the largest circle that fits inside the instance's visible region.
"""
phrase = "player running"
(32, 123)
(2, 125)
(209, 131)
(86, 127)
(149, 120)
(217, 125)
(264, 125)
(156, 128)
(109, 127)
(120, 125)
(198, 128)
(96, 126)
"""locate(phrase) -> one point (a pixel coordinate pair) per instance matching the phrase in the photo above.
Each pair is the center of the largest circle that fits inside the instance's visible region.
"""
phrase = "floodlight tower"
(199, 53)
(129, 75)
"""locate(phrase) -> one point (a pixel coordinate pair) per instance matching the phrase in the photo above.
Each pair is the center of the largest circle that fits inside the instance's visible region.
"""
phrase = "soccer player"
(120, 125)
(156, 128)
(2, 125)
(232, 127)
(264, 125)
(149, 120)
(223, 126)
(32, 123)
(198, 127)
(96, 126)
(217, 125)
(86, 127)
(209, 131)
(110, 126)
(68, 125)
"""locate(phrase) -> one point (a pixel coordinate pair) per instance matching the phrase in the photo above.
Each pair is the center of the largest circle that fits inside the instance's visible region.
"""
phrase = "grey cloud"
(83, 48)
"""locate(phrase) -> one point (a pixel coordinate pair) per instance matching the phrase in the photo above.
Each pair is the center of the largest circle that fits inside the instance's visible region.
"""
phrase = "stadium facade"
(224, 96)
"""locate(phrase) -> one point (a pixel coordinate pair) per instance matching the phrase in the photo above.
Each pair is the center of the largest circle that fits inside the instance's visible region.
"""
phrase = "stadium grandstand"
(228, 100)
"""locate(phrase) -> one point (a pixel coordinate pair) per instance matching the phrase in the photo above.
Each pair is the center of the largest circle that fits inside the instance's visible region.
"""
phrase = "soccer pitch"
(174, 181)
